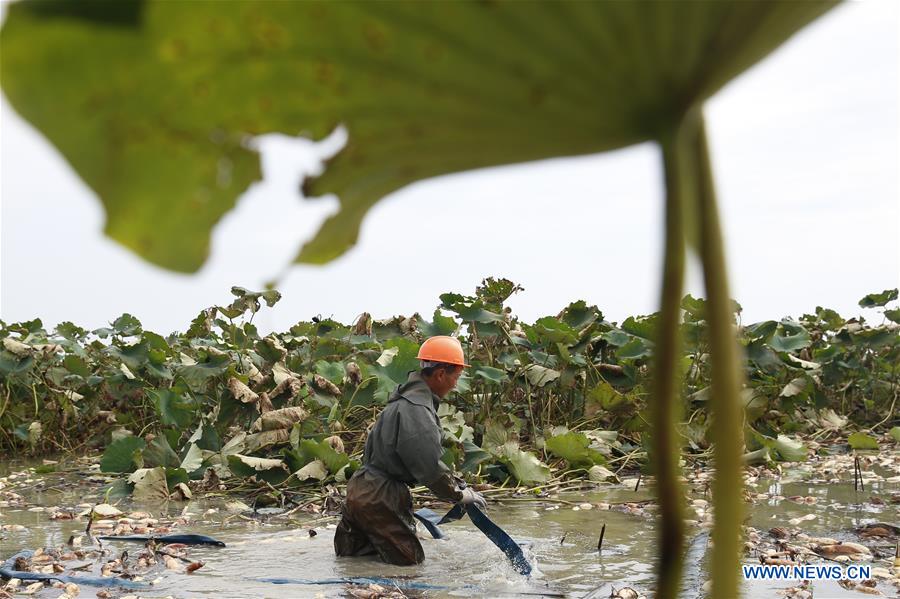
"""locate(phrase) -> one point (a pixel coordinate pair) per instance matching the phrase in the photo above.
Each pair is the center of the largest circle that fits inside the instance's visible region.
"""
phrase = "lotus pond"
(799, 511)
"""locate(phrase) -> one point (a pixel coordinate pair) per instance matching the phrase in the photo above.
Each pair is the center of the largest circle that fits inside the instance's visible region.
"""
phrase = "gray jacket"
(405, 443)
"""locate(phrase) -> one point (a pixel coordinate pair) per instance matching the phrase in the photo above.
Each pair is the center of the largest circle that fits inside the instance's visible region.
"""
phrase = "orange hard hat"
(442, 348)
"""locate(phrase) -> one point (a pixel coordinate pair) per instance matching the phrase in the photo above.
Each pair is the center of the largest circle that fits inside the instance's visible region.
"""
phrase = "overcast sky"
(805, 153)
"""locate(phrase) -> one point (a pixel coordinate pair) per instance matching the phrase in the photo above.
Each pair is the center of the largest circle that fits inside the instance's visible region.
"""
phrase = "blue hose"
(186, 539)
(497, 535)
(386, 582)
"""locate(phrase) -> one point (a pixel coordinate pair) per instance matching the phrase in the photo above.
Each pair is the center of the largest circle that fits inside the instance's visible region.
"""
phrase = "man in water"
(403, 449)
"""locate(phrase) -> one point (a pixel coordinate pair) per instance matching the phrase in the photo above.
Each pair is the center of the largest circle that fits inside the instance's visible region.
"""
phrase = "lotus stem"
(727, 431)
(666, 380)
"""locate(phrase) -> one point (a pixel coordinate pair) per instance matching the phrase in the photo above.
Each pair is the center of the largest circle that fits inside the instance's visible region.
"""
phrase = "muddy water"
(563, 541)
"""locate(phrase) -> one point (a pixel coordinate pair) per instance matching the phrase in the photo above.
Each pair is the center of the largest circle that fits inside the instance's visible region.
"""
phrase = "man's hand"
(471, 497)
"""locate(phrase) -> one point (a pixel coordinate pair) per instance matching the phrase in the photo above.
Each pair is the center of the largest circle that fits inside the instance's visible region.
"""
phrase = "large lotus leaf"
(394, 365)
(579, 315)
(441, 325)
(151, 101)
(150, 484)
(160, 453)
(198, 374)
(270, 470)
(553, 330)
(636, 348)
(123, 455)
(791, 336)
(11, 364)
(309, 450)
(173, 408)
(539, 376)
(469, 309)
(786, 449)
(879, 299)
(862, 441)
(523, 465)
(574, 448)
(473, 456)
(193, 458)
(495, 435)
(490, 374)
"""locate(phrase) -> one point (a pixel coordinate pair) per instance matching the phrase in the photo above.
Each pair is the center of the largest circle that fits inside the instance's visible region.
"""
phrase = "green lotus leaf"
(394, 365)
(539, 376)
(77, 365)
(127, 325)
(473, 456)
(152, 101)
(553, 330)
(133, 356)
(440, 325)
(172, 408)
(636, 348)
(193, 458)
(642, 326)
(11, 364)
(862, 441)
(573, 448)
(197, 375)
(490, 374)
(333, 371)
(579, 315)
(121, 454)
(309, 450)
(790, 337)
(150, 484)
(160, 453)
(786, 449)
(874, 300)
(523, 465)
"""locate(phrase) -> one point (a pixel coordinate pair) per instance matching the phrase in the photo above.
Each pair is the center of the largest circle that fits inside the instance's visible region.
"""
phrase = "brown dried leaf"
(290, 387)
(193, 566)
(284, 418)
(257, 441)
(323, 384)
(336, 443)
(354, 375)
(242, 392)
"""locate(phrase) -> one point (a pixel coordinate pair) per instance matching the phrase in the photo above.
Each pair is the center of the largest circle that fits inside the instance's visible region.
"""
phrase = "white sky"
(805, 151)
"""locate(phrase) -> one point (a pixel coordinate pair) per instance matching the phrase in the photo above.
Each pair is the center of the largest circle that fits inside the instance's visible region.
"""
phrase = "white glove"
(471, 497)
